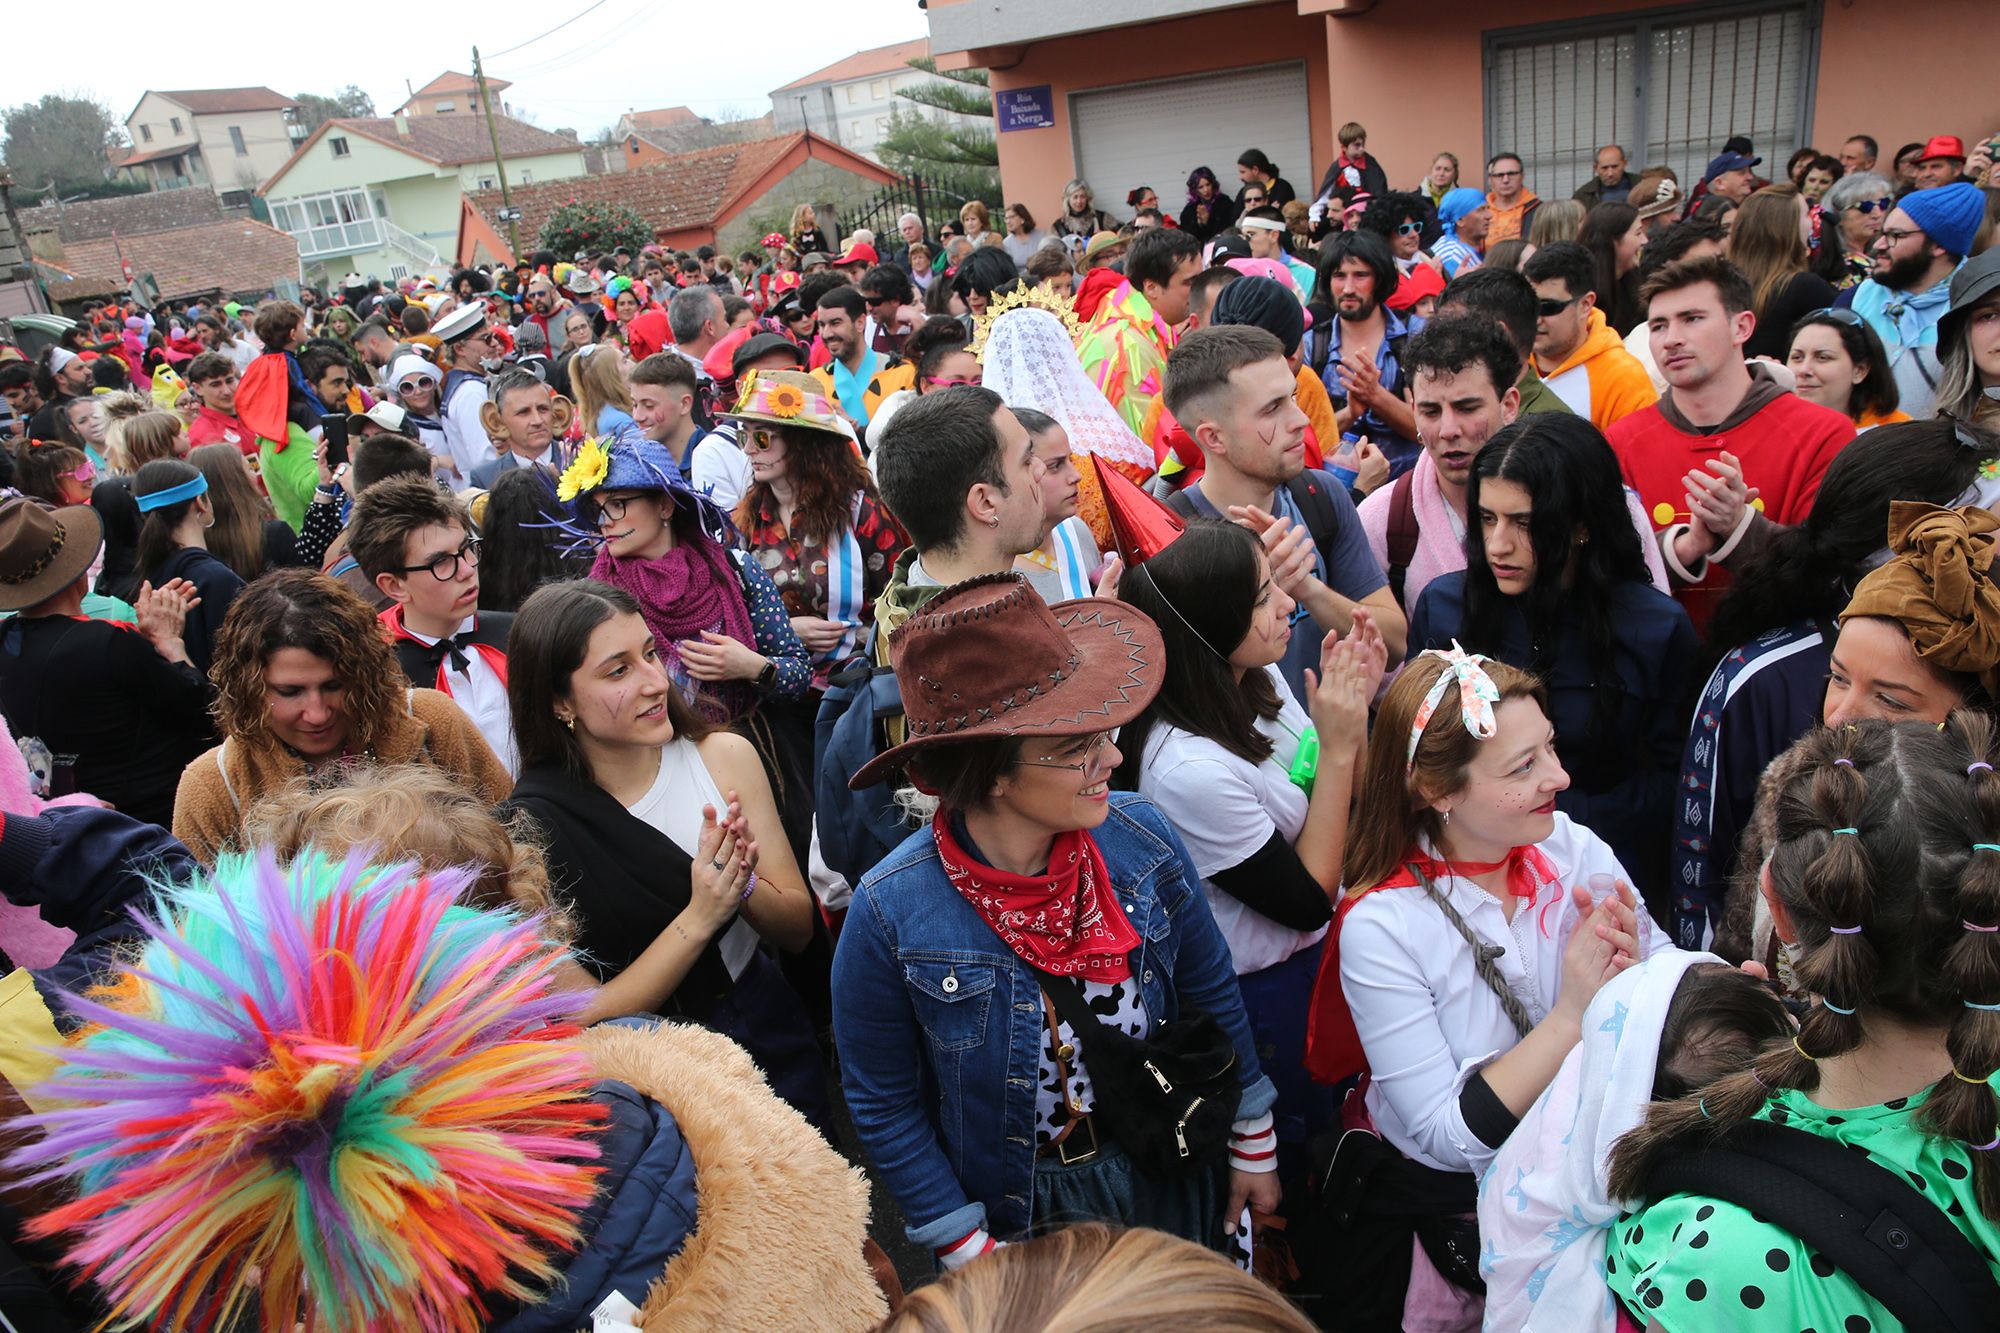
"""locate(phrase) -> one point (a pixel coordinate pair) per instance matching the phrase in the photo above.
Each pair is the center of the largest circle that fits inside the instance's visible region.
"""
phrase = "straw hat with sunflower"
(789, 398)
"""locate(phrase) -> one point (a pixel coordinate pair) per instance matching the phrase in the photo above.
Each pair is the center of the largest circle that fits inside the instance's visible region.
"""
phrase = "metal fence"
(935, 198)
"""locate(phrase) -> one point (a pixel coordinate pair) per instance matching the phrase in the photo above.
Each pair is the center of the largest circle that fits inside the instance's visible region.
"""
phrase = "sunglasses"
(1409, 229)
(953, 381)
(1838, 315)
(1873, 205)
(763, 440)
(1253, 198)
(412, 386)
(83, 476)
(1548, 307)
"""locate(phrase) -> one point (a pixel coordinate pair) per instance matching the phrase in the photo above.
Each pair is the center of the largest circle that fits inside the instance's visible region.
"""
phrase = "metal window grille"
(1670, 87)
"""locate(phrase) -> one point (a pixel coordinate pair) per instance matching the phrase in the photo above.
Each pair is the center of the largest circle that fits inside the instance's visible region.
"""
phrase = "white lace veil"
(1030, 362)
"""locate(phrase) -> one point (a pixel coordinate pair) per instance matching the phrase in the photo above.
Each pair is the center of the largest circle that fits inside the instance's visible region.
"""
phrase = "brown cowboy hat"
(43, 551)
(989, 658)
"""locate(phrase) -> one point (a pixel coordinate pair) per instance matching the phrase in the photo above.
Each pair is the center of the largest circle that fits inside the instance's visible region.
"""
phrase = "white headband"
(1259, 224)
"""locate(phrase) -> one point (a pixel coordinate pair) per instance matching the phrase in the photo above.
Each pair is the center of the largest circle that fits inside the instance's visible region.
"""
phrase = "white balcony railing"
(340, 238)
(412, 246)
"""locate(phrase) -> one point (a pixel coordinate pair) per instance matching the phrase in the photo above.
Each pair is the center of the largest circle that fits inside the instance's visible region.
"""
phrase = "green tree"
(62, 139)
(350, 102)
(594, 227)
(967, 155)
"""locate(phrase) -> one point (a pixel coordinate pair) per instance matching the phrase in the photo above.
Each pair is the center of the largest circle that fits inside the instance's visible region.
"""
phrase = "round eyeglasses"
(444, 565)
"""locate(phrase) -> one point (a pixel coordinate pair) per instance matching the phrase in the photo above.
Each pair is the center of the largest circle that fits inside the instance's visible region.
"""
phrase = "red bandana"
(1066, 922)
(1528, 869)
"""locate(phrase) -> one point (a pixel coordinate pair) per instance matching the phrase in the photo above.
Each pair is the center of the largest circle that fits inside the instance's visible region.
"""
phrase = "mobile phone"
(333, 430)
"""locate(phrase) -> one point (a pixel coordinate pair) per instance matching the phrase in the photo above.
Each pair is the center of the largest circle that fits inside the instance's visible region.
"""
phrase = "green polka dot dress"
(1691, 1264)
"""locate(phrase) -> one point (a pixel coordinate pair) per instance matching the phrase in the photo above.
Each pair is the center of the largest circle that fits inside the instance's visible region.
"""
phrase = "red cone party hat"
(1141, 526)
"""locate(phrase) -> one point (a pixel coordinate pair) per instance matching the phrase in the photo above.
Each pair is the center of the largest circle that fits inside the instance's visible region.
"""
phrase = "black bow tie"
(457, 645)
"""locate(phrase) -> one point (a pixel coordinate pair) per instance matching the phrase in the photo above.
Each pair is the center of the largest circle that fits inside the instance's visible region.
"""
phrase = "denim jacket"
(940, 1026)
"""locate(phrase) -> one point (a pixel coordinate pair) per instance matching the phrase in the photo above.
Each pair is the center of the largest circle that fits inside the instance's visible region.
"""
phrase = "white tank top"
(673, 806)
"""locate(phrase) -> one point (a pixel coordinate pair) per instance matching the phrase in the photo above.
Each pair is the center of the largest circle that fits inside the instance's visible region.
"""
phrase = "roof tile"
(233, 255)
(220, 101)
(453, 141)
(665, 117)
(685, 191)
(877, 60)
(128, 215)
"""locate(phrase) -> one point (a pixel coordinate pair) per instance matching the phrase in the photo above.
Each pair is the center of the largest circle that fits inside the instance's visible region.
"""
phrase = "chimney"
(402, 126)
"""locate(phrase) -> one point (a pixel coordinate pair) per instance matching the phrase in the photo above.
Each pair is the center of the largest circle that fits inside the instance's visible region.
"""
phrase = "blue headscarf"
(1455, 205)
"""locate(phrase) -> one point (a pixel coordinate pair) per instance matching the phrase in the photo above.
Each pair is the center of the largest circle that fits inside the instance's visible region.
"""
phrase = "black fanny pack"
(1170, 1100)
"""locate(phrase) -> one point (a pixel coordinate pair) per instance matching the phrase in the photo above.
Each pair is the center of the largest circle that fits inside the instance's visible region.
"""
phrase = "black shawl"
(624, 880)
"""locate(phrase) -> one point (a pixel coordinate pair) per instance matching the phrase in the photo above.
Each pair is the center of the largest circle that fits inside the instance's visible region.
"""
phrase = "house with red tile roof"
(713, 196)
(182, 239)
(852, 100)
(224, 139)
(381, 196)
(453, 94)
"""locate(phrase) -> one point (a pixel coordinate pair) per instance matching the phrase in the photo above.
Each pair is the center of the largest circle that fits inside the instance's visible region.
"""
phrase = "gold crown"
(1023, 297)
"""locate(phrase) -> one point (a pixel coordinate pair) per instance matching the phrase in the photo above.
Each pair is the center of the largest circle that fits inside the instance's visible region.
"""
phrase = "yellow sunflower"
(786, 401)
(586, 472)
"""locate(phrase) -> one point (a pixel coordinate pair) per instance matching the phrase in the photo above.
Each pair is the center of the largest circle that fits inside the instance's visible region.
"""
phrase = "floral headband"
(1476, 696)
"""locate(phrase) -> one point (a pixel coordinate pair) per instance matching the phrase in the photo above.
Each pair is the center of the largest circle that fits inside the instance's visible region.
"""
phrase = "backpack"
(856, 828)
(1895, 1243)
(1305, 490)
(1402, 532)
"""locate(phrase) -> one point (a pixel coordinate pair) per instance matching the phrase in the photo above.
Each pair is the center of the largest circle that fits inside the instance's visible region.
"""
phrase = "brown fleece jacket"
(221, 786)
(781, 1217)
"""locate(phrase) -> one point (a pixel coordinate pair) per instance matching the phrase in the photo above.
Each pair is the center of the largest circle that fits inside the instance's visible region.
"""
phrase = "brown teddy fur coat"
(782, 1218)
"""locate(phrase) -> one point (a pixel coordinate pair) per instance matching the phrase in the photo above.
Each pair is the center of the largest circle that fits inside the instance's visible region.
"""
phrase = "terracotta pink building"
(1138, 92)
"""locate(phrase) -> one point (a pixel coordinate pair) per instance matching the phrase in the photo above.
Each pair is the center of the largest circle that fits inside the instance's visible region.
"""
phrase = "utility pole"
(499, 163)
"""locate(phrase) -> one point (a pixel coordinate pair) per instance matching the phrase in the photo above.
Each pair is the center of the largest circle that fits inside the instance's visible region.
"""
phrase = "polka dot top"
(1693, 1264)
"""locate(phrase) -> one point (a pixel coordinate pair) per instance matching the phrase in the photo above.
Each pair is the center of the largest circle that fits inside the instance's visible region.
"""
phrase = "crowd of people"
(1371, 759)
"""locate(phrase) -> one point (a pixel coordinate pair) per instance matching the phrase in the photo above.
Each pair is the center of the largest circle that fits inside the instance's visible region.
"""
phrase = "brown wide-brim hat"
(989, 658)
(43, 551)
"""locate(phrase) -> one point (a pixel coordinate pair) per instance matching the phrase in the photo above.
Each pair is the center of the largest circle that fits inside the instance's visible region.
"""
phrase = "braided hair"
(1886, 860)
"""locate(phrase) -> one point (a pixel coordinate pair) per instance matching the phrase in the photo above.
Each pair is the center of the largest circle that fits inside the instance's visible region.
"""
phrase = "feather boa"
(328, 1093)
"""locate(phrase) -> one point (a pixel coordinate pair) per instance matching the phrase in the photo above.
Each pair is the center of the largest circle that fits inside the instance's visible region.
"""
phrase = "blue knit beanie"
(1949, 214)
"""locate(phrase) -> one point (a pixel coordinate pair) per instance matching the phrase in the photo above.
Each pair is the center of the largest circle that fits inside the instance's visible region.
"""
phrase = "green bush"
(594, 227)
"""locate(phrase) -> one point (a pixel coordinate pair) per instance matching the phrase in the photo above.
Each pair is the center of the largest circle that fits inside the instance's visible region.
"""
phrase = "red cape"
(263, 395)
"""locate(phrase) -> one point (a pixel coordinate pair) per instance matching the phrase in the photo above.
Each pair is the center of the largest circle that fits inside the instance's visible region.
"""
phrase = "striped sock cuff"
(966, 1248)
(1253, 1144)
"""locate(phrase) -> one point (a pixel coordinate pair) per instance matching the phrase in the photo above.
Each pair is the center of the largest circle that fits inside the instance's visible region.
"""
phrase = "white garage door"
(1156, 133)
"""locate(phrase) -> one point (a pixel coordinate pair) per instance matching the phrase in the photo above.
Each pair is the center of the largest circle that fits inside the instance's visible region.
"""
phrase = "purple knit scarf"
(686, 591)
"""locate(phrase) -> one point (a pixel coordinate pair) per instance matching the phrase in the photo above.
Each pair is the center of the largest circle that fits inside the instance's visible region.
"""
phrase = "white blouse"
(1426, 1020)
(1225, 809)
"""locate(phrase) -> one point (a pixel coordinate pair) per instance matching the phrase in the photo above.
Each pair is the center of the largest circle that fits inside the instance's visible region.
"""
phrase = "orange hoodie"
(1509, 222)
(1600, 379)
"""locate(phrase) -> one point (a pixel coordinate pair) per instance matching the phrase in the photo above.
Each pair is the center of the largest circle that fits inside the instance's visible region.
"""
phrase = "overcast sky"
(624, 54)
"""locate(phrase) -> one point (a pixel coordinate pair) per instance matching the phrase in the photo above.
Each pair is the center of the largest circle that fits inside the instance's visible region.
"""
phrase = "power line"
(558, 28)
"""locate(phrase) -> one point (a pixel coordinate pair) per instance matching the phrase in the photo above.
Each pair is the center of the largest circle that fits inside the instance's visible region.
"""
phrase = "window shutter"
(1144, 134)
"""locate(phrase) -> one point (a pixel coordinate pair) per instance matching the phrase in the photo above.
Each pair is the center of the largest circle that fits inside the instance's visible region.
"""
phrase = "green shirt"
(1693, 1265)
(290, 475)
(1537, 396)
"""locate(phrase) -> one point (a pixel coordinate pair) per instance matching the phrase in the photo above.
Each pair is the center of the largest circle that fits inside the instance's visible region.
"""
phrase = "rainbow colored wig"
(326, 1092)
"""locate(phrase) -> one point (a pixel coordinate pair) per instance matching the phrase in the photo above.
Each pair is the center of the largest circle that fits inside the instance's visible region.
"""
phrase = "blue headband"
(173, 495)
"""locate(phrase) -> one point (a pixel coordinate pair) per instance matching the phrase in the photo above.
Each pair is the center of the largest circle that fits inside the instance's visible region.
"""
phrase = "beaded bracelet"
(749, 888)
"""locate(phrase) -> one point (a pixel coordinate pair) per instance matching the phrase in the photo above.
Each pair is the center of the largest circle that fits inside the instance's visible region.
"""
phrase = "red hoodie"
(1783, 442)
